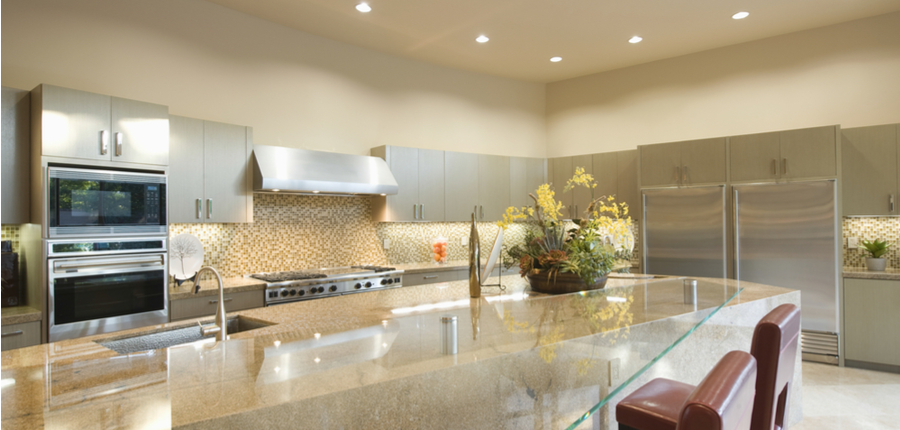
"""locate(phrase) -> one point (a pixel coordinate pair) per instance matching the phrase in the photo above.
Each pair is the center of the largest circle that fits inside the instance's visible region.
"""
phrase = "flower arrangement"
(589, 247)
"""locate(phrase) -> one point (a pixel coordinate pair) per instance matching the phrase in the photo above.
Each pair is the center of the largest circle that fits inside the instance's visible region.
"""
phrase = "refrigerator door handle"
(737, 236)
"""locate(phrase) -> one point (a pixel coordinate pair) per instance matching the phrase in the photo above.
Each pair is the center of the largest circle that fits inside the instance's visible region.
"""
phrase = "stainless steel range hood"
(299, 171)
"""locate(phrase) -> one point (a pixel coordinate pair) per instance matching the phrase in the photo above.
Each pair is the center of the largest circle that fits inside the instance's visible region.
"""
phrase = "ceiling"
(590, 35)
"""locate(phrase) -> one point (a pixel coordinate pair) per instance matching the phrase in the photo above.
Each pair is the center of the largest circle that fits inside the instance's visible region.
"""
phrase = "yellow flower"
(547, 203)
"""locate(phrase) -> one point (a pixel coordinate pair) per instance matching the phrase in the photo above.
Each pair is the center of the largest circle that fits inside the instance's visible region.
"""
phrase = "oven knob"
(284, 293)
(301, 292)
(368, 285)
(312, 290)
(321, 289)
(293, 292)
(390, 281)
(357, 286)
(384, 282)
(332, 288)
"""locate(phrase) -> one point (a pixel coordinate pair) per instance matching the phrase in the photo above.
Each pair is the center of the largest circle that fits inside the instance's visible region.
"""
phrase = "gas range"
(297, 285)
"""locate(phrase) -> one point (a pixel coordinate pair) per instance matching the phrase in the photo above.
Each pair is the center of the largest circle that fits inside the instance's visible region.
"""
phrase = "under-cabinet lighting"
(275, 190)
(317, 360)
(363, 7)
(740, 15)
(315, 192)
(318, 335)
(277, 343)
(382, 195)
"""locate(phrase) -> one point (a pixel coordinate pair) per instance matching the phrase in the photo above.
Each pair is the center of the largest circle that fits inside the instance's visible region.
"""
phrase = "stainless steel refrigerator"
(783, 234)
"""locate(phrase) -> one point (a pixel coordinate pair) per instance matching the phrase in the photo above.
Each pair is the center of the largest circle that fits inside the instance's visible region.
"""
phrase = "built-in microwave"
(89, 202)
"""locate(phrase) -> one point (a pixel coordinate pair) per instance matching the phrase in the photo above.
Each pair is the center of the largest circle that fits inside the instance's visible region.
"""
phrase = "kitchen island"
(374, 360)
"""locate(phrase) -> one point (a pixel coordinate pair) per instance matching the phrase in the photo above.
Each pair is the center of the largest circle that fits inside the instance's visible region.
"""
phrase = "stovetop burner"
(294, 275)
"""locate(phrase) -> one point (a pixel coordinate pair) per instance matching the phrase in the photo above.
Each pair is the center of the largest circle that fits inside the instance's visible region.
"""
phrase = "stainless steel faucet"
(221, 322)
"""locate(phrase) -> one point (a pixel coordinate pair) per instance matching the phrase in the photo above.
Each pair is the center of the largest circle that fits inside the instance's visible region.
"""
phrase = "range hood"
(299, 171)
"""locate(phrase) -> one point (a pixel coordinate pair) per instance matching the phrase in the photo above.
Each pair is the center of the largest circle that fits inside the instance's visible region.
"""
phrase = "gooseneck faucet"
(220, 327)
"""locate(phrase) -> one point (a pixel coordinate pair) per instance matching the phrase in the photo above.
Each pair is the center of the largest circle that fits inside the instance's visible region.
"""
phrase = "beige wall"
(846, 74)
(295, 89)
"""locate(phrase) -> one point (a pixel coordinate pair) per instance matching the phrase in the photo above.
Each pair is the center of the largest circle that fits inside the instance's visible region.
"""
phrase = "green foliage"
(876, 248)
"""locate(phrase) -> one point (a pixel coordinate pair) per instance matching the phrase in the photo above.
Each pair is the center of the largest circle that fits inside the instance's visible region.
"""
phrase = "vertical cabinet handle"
(684, 173)
(199, 208)
(422, 211)
(891, 202)
(118, 144)
(677, 174)
(784, 166)
(208, 208)
(774, 166)
(415, 211)
(104, 142)
(482, 211)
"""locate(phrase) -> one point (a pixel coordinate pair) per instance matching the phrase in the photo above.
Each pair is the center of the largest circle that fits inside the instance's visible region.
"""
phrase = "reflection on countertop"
(373, 360)
(19, 315)
(863, 273)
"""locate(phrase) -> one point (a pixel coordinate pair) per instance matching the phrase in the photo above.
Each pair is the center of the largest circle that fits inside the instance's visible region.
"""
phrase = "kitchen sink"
(177, 336)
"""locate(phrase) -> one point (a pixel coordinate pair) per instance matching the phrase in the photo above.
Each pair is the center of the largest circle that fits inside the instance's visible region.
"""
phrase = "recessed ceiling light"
(275, 190)
(482, 39)
(363, 7)
(740, 15)
(555, 59)
(635, 39)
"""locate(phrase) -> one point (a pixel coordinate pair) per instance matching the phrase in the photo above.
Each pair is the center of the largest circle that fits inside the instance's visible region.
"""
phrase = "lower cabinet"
(872, 321)
(21, 335)
(197, 307)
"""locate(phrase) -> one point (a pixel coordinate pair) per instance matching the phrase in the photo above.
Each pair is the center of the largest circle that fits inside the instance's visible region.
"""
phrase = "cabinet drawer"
(21, 335)
(431, 277)
(196, 307)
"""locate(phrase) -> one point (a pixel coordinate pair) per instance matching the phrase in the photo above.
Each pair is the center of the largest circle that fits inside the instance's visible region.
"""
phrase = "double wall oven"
(107, 261)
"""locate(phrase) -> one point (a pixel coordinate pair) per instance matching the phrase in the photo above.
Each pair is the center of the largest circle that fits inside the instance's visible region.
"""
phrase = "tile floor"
(849, 399)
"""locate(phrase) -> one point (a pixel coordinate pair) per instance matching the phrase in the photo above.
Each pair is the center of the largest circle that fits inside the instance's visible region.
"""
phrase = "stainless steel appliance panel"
(91, 295)
(684, 231)
(786, 235)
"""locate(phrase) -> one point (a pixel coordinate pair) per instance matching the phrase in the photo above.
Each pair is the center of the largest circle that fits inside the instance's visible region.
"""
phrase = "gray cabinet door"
(660, 164)
(870, 170)
(16, 156)
(606, 173)
(226, 165)
(404, 163)
(493, 187)
(140, 132)
(562, 172)
(186, 173)
(628, 191)
(755, 157)
(703, 162)
(73, 123)
(431, 184)
(871, 321)
(809, 153)
(581, 196)
(460, 185)
(525, 176)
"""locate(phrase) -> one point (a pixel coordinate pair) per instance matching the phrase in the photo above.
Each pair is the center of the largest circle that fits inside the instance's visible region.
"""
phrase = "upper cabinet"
(16, 157)
(576, 200)
(694, 162)
(78, 124)
(209, 172)
(420, 177)
(791, 154)
(493, 187)
(525, 176)
(616, 175)
(461, 188)
(870, 158)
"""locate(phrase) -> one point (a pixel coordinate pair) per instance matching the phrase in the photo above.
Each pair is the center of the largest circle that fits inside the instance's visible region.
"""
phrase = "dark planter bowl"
(562, 283)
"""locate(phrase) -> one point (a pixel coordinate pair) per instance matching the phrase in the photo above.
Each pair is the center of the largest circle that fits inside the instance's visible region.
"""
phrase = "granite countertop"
(19, 315)
(337, 355)
(209, 287)
(863, 273)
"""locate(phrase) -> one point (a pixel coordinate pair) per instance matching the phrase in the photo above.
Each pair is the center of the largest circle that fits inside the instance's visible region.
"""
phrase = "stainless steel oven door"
(92, 295)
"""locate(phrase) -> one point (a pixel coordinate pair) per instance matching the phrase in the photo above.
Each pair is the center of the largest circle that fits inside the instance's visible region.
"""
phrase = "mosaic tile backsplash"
(871, 228)
(10, 233)
(300, 232)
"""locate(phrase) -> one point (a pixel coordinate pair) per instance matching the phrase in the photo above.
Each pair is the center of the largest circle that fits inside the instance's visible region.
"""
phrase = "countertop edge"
(862, 273)
(23, 314)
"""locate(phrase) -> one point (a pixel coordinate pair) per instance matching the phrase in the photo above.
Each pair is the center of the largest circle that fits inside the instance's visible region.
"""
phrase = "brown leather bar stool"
(722, 401)
(656, 405)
